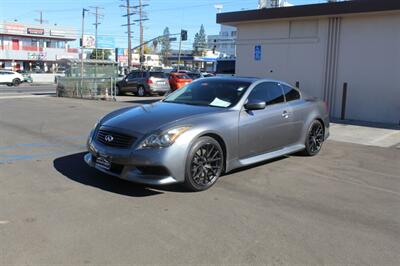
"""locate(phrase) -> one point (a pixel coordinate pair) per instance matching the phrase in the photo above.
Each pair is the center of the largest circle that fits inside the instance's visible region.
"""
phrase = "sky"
(188, 15)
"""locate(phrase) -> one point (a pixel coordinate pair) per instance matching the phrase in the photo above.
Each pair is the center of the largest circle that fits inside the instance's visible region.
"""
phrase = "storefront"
(35, 47)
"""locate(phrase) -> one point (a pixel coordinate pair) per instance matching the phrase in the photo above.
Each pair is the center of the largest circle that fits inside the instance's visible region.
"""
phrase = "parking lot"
(340, 207)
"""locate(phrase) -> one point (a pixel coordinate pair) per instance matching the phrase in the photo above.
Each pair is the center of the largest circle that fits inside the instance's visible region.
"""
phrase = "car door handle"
(285, 114)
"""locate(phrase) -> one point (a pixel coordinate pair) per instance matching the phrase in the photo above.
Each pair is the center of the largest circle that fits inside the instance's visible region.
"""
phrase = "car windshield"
(217, 93)
(158, 75)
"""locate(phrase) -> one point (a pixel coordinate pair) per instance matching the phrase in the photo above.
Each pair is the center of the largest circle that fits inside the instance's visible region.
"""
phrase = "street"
(340, 207)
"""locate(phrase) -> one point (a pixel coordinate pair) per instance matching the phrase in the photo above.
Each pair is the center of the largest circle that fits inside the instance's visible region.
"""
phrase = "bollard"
(344, 100)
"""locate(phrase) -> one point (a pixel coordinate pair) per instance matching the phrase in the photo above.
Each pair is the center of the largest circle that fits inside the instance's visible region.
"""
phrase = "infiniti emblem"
(109, 138)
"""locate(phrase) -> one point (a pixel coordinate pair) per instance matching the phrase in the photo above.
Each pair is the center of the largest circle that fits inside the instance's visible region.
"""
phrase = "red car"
(178, 80)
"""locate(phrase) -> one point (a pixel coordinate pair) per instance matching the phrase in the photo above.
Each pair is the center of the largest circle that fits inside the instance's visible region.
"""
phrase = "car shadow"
(74, 167)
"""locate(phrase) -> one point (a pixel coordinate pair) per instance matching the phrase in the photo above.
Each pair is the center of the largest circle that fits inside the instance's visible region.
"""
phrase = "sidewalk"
(366, 135)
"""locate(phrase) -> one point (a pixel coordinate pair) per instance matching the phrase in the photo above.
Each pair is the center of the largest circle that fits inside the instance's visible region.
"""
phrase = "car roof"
(246, 79)
(235, 78)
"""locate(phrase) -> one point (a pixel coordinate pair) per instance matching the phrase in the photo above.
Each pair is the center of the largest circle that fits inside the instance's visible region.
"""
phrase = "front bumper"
(131, 173)
(147, 166)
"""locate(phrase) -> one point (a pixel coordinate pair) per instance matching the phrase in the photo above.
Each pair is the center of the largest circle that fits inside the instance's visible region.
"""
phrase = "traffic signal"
(184, 35)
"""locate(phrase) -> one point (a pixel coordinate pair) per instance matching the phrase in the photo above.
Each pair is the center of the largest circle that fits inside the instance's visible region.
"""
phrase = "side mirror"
(255, 105)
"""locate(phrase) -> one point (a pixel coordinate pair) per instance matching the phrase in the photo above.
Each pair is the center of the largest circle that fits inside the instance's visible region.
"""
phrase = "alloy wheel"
(316, 137)
(141, 92)
(206, 165)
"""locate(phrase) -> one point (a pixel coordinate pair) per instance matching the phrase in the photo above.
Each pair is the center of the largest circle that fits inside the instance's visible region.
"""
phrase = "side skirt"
(271, 155)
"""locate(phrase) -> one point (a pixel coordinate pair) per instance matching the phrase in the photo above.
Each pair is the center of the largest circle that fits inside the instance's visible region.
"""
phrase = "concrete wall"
(368, 60)
(291, 51)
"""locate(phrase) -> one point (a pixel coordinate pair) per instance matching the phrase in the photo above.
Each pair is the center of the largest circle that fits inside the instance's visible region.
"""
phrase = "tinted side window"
(291, 94)
(270, 92)
(130, 76)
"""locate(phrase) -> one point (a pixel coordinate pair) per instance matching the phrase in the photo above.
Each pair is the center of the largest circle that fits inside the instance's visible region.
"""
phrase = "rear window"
(160, 75)
(183, 76)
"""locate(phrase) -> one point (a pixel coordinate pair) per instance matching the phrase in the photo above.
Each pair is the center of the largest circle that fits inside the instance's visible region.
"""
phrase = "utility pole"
(40, 19)
(141, 31)
(142, 17)
(97, 23)
(82, 36)
(179, 52)
(128, 20)
(183, 37)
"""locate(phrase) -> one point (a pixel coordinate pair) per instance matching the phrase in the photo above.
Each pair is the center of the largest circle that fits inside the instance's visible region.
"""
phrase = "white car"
(10, 78)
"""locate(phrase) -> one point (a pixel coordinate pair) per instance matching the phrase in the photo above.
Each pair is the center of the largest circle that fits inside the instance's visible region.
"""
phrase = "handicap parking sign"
(257, 52)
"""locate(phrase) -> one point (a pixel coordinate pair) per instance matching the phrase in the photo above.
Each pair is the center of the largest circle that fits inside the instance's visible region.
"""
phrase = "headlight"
(164, 139)
(93, 130)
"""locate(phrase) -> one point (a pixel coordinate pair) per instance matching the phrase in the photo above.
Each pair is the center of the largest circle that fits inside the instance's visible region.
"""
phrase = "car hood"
(151, 117)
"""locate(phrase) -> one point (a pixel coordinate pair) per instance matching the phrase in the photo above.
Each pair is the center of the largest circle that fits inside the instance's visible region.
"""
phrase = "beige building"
(324, 46)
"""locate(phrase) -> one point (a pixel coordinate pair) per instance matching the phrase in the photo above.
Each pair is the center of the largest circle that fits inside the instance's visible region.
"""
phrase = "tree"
(196, 44)
(165, 46)
(200, 42)
(100, 54)
(146, 49)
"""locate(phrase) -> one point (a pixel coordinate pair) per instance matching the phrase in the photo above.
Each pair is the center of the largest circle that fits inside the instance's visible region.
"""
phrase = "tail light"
(149, 81)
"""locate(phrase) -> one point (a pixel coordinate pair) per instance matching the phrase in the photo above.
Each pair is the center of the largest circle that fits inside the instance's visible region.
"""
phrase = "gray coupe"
(206, 129)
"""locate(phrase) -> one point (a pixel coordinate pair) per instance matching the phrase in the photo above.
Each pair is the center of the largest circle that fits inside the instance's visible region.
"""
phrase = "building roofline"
(324, 9)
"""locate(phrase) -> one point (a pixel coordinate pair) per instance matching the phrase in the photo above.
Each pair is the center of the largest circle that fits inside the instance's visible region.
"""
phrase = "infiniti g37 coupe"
(206, 129)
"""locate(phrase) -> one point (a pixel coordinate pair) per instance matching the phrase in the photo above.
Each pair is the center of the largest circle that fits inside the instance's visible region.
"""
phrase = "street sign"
(257, 52)
(173, 39)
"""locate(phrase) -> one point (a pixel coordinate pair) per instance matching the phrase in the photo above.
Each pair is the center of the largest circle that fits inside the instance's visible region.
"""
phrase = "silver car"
(206, 129)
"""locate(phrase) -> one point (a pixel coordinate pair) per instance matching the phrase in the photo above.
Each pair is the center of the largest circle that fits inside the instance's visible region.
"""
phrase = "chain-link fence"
(88, 88)
(90, 79)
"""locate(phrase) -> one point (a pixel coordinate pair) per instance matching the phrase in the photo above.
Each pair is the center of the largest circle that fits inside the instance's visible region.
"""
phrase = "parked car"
(10, 78)
(144, 83)
(178, 80)
(26, 75)
(206, 129)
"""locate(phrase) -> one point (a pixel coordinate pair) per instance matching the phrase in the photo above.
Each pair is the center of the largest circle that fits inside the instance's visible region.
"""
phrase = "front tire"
(117, 91)
(204, 164)
(315, 138)
(16, 82)
(141, 91)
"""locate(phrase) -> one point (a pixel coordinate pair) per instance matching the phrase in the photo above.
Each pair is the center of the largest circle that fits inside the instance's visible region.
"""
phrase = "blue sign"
(105, 42)
(257, 52)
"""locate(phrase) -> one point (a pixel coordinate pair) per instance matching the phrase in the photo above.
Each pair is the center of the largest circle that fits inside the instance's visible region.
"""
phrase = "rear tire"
(204, 164)
(315, 138)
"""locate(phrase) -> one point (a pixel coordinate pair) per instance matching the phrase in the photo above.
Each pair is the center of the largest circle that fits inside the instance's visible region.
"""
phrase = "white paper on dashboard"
(220, 103)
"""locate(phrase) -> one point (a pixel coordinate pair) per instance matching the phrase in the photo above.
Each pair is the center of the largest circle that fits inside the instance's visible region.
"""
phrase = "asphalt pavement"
(340, 207)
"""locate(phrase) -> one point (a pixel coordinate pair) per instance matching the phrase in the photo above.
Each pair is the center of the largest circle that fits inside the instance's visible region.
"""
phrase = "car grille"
(117, 139)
